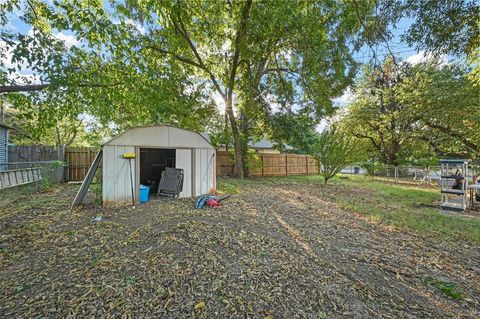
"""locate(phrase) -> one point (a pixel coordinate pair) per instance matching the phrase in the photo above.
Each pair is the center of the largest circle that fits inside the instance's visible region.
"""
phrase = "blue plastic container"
(144, 192)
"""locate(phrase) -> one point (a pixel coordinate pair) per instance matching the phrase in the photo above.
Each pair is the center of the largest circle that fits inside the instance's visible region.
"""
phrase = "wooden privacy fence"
(34, 153)
(49, 160)
(269, 165)
(78, 161)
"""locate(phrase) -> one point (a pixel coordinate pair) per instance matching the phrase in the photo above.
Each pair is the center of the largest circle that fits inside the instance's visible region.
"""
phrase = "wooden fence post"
(61, 157)
(263, 163)
(306, 163)
(286, 165)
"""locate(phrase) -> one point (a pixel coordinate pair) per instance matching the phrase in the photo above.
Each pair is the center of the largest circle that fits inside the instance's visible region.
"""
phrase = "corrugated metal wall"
(204, 171)
(183, 160)
(116, 178)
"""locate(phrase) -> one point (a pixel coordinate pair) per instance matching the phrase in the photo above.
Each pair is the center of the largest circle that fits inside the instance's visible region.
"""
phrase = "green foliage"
(253, 160)
(248, 49)
(447, 287)
(446, 104)
(439, 27)
(371, 165)
(449, 26)
(295, 130)
(334, 150)
(28, 128)
(102, 76)
(415, 114)
(143, 63)
(147, 63)
(377, 116)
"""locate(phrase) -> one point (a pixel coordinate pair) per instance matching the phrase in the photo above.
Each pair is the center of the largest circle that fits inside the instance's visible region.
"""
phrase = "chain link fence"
(415, 173)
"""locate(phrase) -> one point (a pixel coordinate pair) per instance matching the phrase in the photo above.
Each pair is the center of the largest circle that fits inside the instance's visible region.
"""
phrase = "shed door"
(183, 159)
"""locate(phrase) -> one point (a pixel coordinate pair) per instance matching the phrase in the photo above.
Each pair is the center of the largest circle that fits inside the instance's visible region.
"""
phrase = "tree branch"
(22, 88)
(238, 39)
(286, 70)
(180, 27)
(450, 132)
(176, 56)
(441, 151)
(17, 88)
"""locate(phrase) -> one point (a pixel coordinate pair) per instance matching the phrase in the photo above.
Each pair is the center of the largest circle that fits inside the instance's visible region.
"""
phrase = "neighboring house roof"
(263, 143)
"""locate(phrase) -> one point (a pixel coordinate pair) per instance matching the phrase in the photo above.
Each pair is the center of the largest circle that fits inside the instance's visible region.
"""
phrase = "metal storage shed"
(155, 148)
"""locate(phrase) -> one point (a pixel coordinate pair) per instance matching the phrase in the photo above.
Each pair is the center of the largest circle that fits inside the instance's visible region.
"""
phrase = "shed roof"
(160, 136)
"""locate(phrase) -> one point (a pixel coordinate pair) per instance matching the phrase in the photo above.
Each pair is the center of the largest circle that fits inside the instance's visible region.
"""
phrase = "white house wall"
(116, 178)
(3, 147)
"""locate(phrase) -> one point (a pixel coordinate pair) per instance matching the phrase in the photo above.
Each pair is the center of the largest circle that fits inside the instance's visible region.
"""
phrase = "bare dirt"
(275, 250)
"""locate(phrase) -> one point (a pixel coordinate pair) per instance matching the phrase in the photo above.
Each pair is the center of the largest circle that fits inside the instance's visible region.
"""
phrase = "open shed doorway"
(153, 162)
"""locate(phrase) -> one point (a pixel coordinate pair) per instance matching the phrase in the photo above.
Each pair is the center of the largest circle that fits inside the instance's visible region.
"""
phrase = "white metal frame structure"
(454, 172)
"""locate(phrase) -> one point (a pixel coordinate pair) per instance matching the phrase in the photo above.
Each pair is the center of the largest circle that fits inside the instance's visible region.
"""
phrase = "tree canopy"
(273, 66)
(334, 150)
(409, 113)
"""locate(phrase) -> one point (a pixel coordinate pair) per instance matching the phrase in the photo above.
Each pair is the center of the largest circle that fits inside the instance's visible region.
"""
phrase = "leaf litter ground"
(279, 250)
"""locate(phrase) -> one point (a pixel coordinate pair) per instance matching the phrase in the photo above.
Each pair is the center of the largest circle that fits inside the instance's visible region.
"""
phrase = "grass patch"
(403, 205)
(448, 288)
(406, 206)
(231, 185)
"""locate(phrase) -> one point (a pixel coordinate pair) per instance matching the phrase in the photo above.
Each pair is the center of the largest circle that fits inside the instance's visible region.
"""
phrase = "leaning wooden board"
(82, 192)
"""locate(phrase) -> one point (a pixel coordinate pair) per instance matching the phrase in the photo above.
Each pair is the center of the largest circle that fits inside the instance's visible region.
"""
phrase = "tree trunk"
(239, 154)
(244, 142)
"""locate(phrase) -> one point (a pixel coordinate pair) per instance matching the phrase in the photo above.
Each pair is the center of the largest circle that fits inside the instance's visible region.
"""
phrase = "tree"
(296, 130)
(62, 131)
(442, 27)
(173, 55)
(88, 78)
(414, 114)
(334, 150)
(446, 103)
(251, 53)
(48, 61)
(378, 116)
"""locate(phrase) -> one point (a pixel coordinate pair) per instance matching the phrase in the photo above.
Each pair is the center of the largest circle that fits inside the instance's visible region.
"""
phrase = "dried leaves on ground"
(275, 250)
